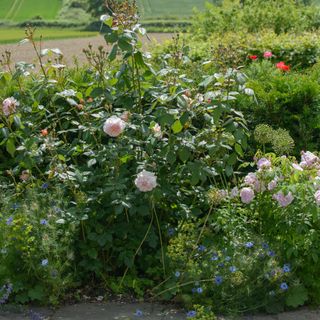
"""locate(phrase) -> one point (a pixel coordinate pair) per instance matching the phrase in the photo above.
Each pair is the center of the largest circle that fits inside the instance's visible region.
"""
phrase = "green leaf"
(37, 293)
(177, 126)
(124, 44)
(297, 296)
(184, 154)
(111, 37)
(92, 162)
(10, 146)
(239, 149)
(113, 53)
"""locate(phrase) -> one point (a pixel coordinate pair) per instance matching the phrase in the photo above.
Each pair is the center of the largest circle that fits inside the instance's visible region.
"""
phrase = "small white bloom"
(157, 131)
(146, 181)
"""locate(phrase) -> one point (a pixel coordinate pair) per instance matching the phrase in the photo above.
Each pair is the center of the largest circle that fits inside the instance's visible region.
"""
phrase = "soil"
(72, 48)
(128, 311)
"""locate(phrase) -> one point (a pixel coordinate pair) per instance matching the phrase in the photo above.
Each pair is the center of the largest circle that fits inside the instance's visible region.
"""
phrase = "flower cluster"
(268, 55)
(270, 178)
(9, 106)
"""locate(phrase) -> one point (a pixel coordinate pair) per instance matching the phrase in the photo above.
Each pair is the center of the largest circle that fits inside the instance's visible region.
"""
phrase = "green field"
(20, 10)
(15, 35)
(169, 8)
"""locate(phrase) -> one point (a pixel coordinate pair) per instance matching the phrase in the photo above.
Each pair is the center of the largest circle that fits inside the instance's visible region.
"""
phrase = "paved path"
(70, 47)
(121, 311)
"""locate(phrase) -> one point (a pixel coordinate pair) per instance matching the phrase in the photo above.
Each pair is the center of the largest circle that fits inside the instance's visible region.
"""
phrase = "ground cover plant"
(153, 176)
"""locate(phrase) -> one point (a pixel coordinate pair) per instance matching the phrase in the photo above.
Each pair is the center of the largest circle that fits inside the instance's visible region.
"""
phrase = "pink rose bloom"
(272, 185)
(9, 106)
(247, 195)
(317, 197)
(114, 126)
(267, 54)
(146, 181)
(283, 200)
(234, 192)
(263, 163)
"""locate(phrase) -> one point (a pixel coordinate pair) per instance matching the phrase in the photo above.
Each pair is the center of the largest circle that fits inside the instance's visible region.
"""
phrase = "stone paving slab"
(122, 311)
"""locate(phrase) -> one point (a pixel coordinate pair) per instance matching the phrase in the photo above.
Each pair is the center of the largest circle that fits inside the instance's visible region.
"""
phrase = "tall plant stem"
(138, 249)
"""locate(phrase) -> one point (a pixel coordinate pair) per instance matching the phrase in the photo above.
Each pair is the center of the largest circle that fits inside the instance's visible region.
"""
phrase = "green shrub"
(33, 240)
(286, 100)
(185, 137)
(257, 15)
(232, 49)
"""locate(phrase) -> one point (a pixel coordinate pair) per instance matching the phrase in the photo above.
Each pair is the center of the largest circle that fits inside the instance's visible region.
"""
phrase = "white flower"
(157, 131)
(146, 181)
(234, 192)
(317, 197)
(67, 93)
(114, 126)
(297, 167)
(9, 106)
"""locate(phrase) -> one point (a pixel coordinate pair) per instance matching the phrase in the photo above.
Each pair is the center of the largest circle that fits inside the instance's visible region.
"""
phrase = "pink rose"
(267, 54)
(9, 106)
(263, 163)
(317, 197)
(146, 181)
(247, 195)
(283, 200)
(114, 126)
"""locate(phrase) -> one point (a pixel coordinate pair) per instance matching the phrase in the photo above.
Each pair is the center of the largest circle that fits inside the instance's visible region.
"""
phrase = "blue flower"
(9, 221)
(214, 257)
(271, 253)
(265, 245)
(201, 248)
(284, 286)
(249, 244)
(221, 265)
(171, 232)
(227, 258)
(45, 185)
(138, 313)
(43, 222)
(218, 280)
(177, 274)
(44, 262)
(233, 269)
(199, 290)
(191, 314)
(286, 268)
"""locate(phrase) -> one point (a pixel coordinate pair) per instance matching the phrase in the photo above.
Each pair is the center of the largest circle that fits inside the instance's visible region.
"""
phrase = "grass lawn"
(21, 10)
(169, 8)
(15, 35)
